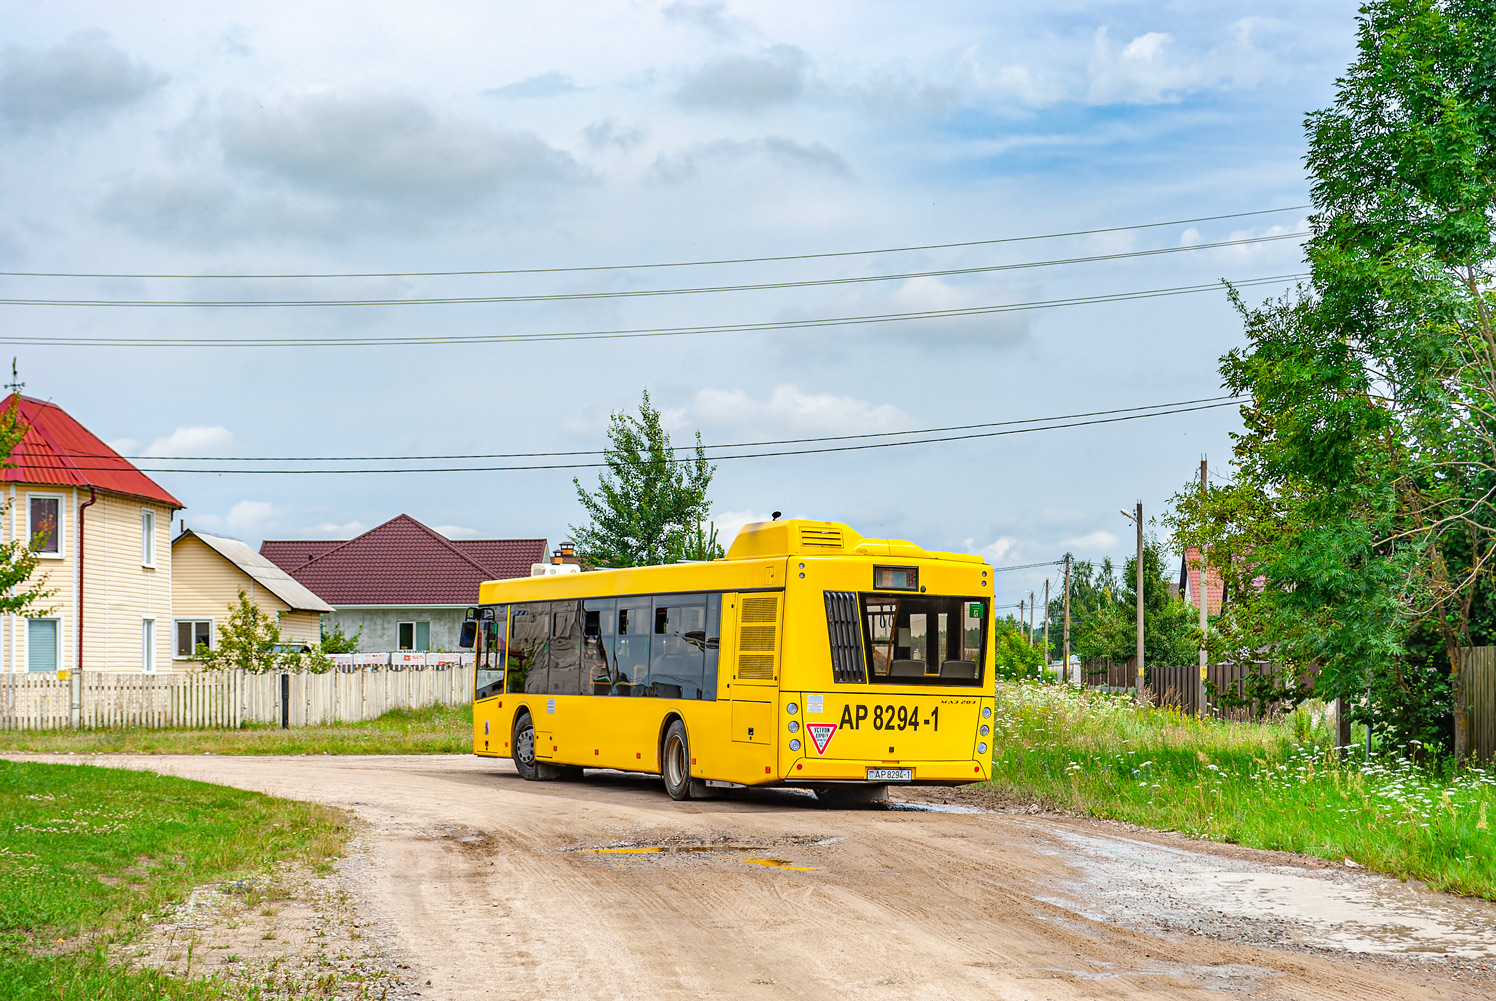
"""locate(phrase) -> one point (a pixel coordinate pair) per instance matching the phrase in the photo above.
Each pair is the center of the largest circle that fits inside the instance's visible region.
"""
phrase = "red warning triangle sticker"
(820, 734)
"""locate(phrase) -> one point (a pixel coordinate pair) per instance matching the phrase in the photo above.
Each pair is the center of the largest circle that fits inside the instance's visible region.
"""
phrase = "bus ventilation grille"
(758, 629)
(820, 538)
(848, 661)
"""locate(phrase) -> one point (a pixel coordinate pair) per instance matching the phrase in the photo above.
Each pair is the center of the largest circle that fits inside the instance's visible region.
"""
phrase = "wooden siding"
(301, 627)
(204, 585)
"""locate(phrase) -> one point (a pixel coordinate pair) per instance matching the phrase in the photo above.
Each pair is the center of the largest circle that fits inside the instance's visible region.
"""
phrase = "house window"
(41, 645)
(415, 635)
(44, 512)
(191, 634)
(147, 537)
(148, 645)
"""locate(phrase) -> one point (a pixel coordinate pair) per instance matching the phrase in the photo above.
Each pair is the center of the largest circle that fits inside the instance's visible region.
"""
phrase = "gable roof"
(264, 573)
(402, 562)
(57, 450)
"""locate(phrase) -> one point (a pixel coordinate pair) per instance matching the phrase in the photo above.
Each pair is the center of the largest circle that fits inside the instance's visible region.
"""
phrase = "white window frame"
(148, 645)
(57, 653)
(212, 635)
(413, 623)
(148, 538)
(62, 507)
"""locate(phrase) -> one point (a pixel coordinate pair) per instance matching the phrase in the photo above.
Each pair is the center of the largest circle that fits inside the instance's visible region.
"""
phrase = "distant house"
(209, 571)
(101, 528)
(405, 585)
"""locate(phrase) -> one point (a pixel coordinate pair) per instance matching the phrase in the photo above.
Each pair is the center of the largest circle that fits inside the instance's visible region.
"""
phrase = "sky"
(201, 140)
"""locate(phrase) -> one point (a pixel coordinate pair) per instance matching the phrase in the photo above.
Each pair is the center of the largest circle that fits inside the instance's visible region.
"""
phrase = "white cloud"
(775, 75)
(789, 408)
(247, 519)
(124, 446)
(1099, 541)
(997, 550)
(777, 151)
(84, 78)
(330, 530)
(192, 440)
(456, 531)
(1153, 69)
(729, 523)
(551, 84)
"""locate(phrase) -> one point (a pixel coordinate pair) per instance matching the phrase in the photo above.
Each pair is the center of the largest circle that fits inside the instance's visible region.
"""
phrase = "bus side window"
(599, 619)
(713, 641)
(679, 651)
(491, 650)
(631, 646)
(529, 648)
(566, 649)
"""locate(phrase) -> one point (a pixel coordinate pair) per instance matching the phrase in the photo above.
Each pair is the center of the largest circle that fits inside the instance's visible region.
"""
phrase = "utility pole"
(1046, 626)
(1066, 667)
(1204, 611)
(1031, 618)
(1020, 615)
(1137, 519)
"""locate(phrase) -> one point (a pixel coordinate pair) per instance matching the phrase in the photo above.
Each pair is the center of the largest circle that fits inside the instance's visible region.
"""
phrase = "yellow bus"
(808, 656)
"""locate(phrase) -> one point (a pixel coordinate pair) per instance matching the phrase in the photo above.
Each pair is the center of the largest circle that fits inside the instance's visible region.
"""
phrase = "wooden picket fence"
(1478, 679)
(1174, 684)
(226, 699)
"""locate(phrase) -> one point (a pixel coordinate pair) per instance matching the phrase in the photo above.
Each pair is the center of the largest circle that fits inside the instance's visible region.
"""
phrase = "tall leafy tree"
(650, 504)
(1362, 510)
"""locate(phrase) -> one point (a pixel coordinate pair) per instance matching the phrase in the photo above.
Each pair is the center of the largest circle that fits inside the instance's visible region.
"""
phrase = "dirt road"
(605, 888)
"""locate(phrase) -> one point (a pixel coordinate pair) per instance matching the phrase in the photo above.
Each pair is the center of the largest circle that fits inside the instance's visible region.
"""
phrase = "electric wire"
(669, 264)
(631, 332)
(674, 448)
(1030, 566)
(640, 293)
(677, 460)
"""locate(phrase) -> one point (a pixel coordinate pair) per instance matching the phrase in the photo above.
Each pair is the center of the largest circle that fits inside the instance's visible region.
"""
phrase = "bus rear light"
(986, 729)
(791, 709)
(794, 726)
(982, 747)
(986, 712)
(794, 745)
(766, 769)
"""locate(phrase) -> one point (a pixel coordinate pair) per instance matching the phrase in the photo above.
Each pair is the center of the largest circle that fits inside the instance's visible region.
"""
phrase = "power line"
(638, 293)
(748, 455)
(1030, 566)
(719, 328)
(674, 448)
(670, 264)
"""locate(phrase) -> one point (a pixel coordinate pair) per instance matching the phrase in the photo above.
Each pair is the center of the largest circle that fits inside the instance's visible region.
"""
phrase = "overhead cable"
(637, 293)
(717, 328)
(672, 264)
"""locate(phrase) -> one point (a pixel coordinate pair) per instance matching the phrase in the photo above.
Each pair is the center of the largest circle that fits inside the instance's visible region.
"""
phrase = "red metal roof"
(57, 450)
(1213, 584)
(402, 562)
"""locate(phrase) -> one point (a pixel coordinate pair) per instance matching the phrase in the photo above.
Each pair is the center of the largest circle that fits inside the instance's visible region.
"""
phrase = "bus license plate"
(890, 774)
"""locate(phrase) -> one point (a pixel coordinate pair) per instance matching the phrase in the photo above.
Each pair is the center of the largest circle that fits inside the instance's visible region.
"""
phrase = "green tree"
(334, 640)
(1015, 656)
(1103, 613)
(251, 641)
(650, 504)
(1362, 510)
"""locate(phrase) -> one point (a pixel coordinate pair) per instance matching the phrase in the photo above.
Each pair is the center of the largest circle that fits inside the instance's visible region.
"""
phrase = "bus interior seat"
(958, 669)
(907, 669)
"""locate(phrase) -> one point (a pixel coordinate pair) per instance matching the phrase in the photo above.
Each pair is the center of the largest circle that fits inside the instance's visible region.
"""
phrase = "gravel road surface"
(487, 886)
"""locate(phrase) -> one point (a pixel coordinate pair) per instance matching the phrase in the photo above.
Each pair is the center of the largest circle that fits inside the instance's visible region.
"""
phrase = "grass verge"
(435, 730)
(88, 856)
(1277, 786)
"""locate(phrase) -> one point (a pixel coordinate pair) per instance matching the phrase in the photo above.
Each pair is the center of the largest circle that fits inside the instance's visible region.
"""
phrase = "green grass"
(437, 730)
(1276, 786)
(88, 855)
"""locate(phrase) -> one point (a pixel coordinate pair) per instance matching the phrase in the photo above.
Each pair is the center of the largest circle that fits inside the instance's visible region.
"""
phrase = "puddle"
(725, 853)
(1137, 882)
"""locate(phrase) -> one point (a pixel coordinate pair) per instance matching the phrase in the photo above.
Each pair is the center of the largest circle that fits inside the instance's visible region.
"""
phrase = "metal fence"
(212, 699)
(1175, 685)
(1478, 679)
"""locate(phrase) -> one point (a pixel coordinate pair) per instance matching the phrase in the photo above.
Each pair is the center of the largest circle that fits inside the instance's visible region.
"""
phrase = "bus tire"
(525, 763)
(852, 795)
(675, 761)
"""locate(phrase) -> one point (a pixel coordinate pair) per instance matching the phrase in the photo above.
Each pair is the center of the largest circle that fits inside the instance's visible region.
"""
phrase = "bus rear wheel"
(675, 762)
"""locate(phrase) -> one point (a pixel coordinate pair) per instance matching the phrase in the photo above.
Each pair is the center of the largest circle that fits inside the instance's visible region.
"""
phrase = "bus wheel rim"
(526, 746)
(676, 760)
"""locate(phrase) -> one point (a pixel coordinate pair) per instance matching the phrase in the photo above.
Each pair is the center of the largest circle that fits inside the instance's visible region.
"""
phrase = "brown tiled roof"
(57, 450)
(402, 562)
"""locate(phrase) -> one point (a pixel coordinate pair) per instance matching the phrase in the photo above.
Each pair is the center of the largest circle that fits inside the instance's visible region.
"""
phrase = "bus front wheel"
(675, 762)
(525, 763)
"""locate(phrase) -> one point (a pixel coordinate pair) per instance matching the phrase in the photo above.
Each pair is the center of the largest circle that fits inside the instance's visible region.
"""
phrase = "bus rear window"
(918, 639)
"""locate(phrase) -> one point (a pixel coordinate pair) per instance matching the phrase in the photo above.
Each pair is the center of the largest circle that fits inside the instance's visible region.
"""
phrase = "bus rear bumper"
(921, 773)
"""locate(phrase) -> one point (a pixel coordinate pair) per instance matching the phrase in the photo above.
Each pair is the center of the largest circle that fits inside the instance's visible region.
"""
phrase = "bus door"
(758, 617)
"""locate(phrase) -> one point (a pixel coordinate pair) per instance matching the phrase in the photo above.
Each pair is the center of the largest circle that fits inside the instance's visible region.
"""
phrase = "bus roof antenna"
(777, 514)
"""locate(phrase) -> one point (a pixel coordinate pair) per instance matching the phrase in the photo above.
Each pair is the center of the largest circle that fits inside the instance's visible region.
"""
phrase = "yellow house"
(100, 528)
(209, 571)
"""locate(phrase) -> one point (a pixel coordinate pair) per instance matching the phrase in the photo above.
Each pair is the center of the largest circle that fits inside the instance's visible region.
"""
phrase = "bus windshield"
(924, 639)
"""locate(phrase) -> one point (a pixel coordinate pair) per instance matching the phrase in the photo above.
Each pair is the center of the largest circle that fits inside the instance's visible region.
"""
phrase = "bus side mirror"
(469, 634)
